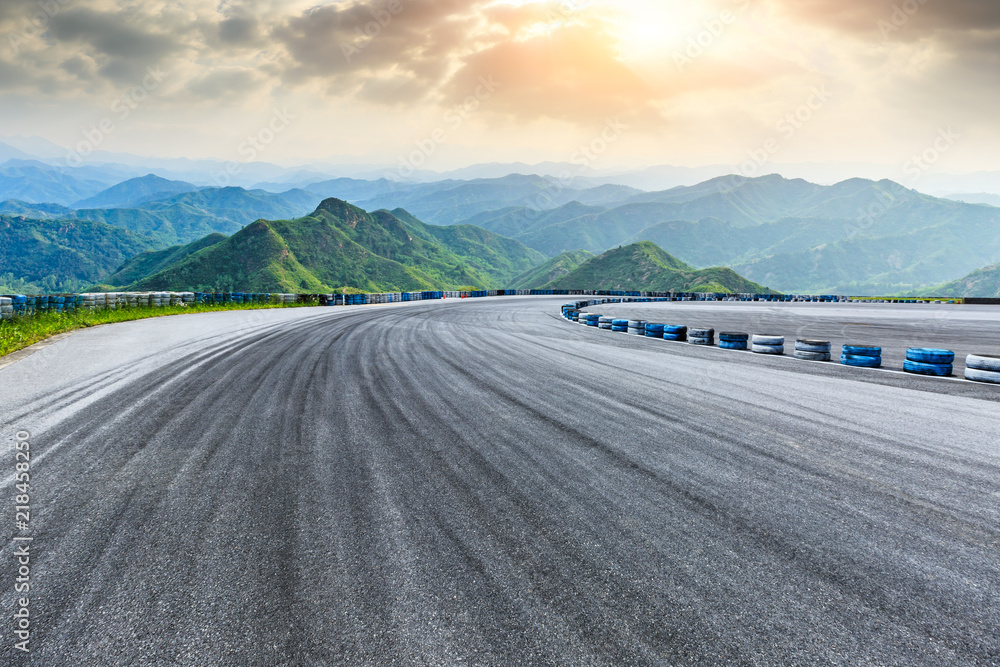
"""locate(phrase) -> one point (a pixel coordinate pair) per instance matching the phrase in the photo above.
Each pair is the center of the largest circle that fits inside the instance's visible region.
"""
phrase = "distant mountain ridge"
(855, 237)
(134, 191)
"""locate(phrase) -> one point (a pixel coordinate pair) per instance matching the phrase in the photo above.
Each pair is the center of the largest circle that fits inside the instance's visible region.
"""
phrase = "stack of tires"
(812, 350)
(733, 340)
(6, 307)
(581, 317)
(701, 336)
(620, 326)
(767, 344)
(929, 361)
(593, 320)
(605, 322)
(288, 299)
(653, 330)
(637, 327)
(675, 332)
(861, 356)
(983, 368)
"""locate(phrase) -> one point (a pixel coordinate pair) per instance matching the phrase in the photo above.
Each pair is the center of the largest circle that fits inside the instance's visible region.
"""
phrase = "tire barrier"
(733, 340)
(676, 332)
(861, 356)
(924, 361)
(930, 356)
(653, 330)
(6, 308)
(983, 368)
(767, 344)
(812, 350)
(701, 336)
(983, 362)
(928, 361)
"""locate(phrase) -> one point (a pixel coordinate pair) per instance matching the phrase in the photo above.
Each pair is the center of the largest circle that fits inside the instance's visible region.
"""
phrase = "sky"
(439, 84)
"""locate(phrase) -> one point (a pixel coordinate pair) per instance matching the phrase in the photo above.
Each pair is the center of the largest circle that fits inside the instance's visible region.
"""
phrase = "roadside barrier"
(733, 340)
(697, 336)
(620, 326)
(862, 356)
(637, 327)
(767, 344)
(928, 361)
(653, 330)
(983, 368)
(675, 332)
(812, 350)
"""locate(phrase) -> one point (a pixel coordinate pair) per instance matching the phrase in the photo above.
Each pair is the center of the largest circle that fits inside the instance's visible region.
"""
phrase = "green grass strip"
(24, 330)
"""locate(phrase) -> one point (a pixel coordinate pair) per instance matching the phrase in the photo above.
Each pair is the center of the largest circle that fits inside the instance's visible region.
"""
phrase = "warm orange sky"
(682, 82)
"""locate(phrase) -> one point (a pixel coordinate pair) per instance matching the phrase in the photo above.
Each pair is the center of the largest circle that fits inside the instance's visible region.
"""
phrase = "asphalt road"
(480, 482)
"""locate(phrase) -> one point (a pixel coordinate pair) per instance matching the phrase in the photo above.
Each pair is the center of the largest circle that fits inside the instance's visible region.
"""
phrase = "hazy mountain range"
(856, 237)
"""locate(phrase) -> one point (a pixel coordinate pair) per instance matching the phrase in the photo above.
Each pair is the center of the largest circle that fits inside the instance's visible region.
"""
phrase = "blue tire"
(860, 360)
(675, 329)
(619, 323)
(678, 337)
(655, 328)
(733, 344)
(921, 368)
(861, 351)
(654, 334)
(930, 356)
(734, 337)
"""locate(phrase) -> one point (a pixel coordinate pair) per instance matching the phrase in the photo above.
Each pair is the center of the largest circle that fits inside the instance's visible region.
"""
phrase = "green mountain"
(982, 283)
(63, 255)
(341, 246)
(644, 266)
(556, 267)
(855, 237)
(154, 261)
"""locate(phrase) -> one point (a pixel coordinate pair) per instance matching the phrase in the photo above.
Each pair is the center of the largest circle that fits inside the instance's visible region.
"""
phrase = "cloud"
(113, 34)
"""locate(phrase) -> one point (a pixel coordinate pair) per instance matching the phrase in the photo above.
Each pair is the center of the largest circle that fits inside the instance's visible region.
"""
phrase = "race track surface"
(481, 482)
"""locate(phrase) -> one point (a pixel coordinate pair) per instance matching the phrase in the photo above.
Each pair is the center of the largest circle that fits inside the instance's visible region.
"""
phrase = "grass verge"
(20, 332)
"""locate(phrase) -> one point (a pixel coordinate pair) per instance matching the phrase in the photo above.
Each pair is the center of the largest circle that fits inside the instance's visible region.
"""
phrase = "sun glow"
(644, 31)
(654, 29)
